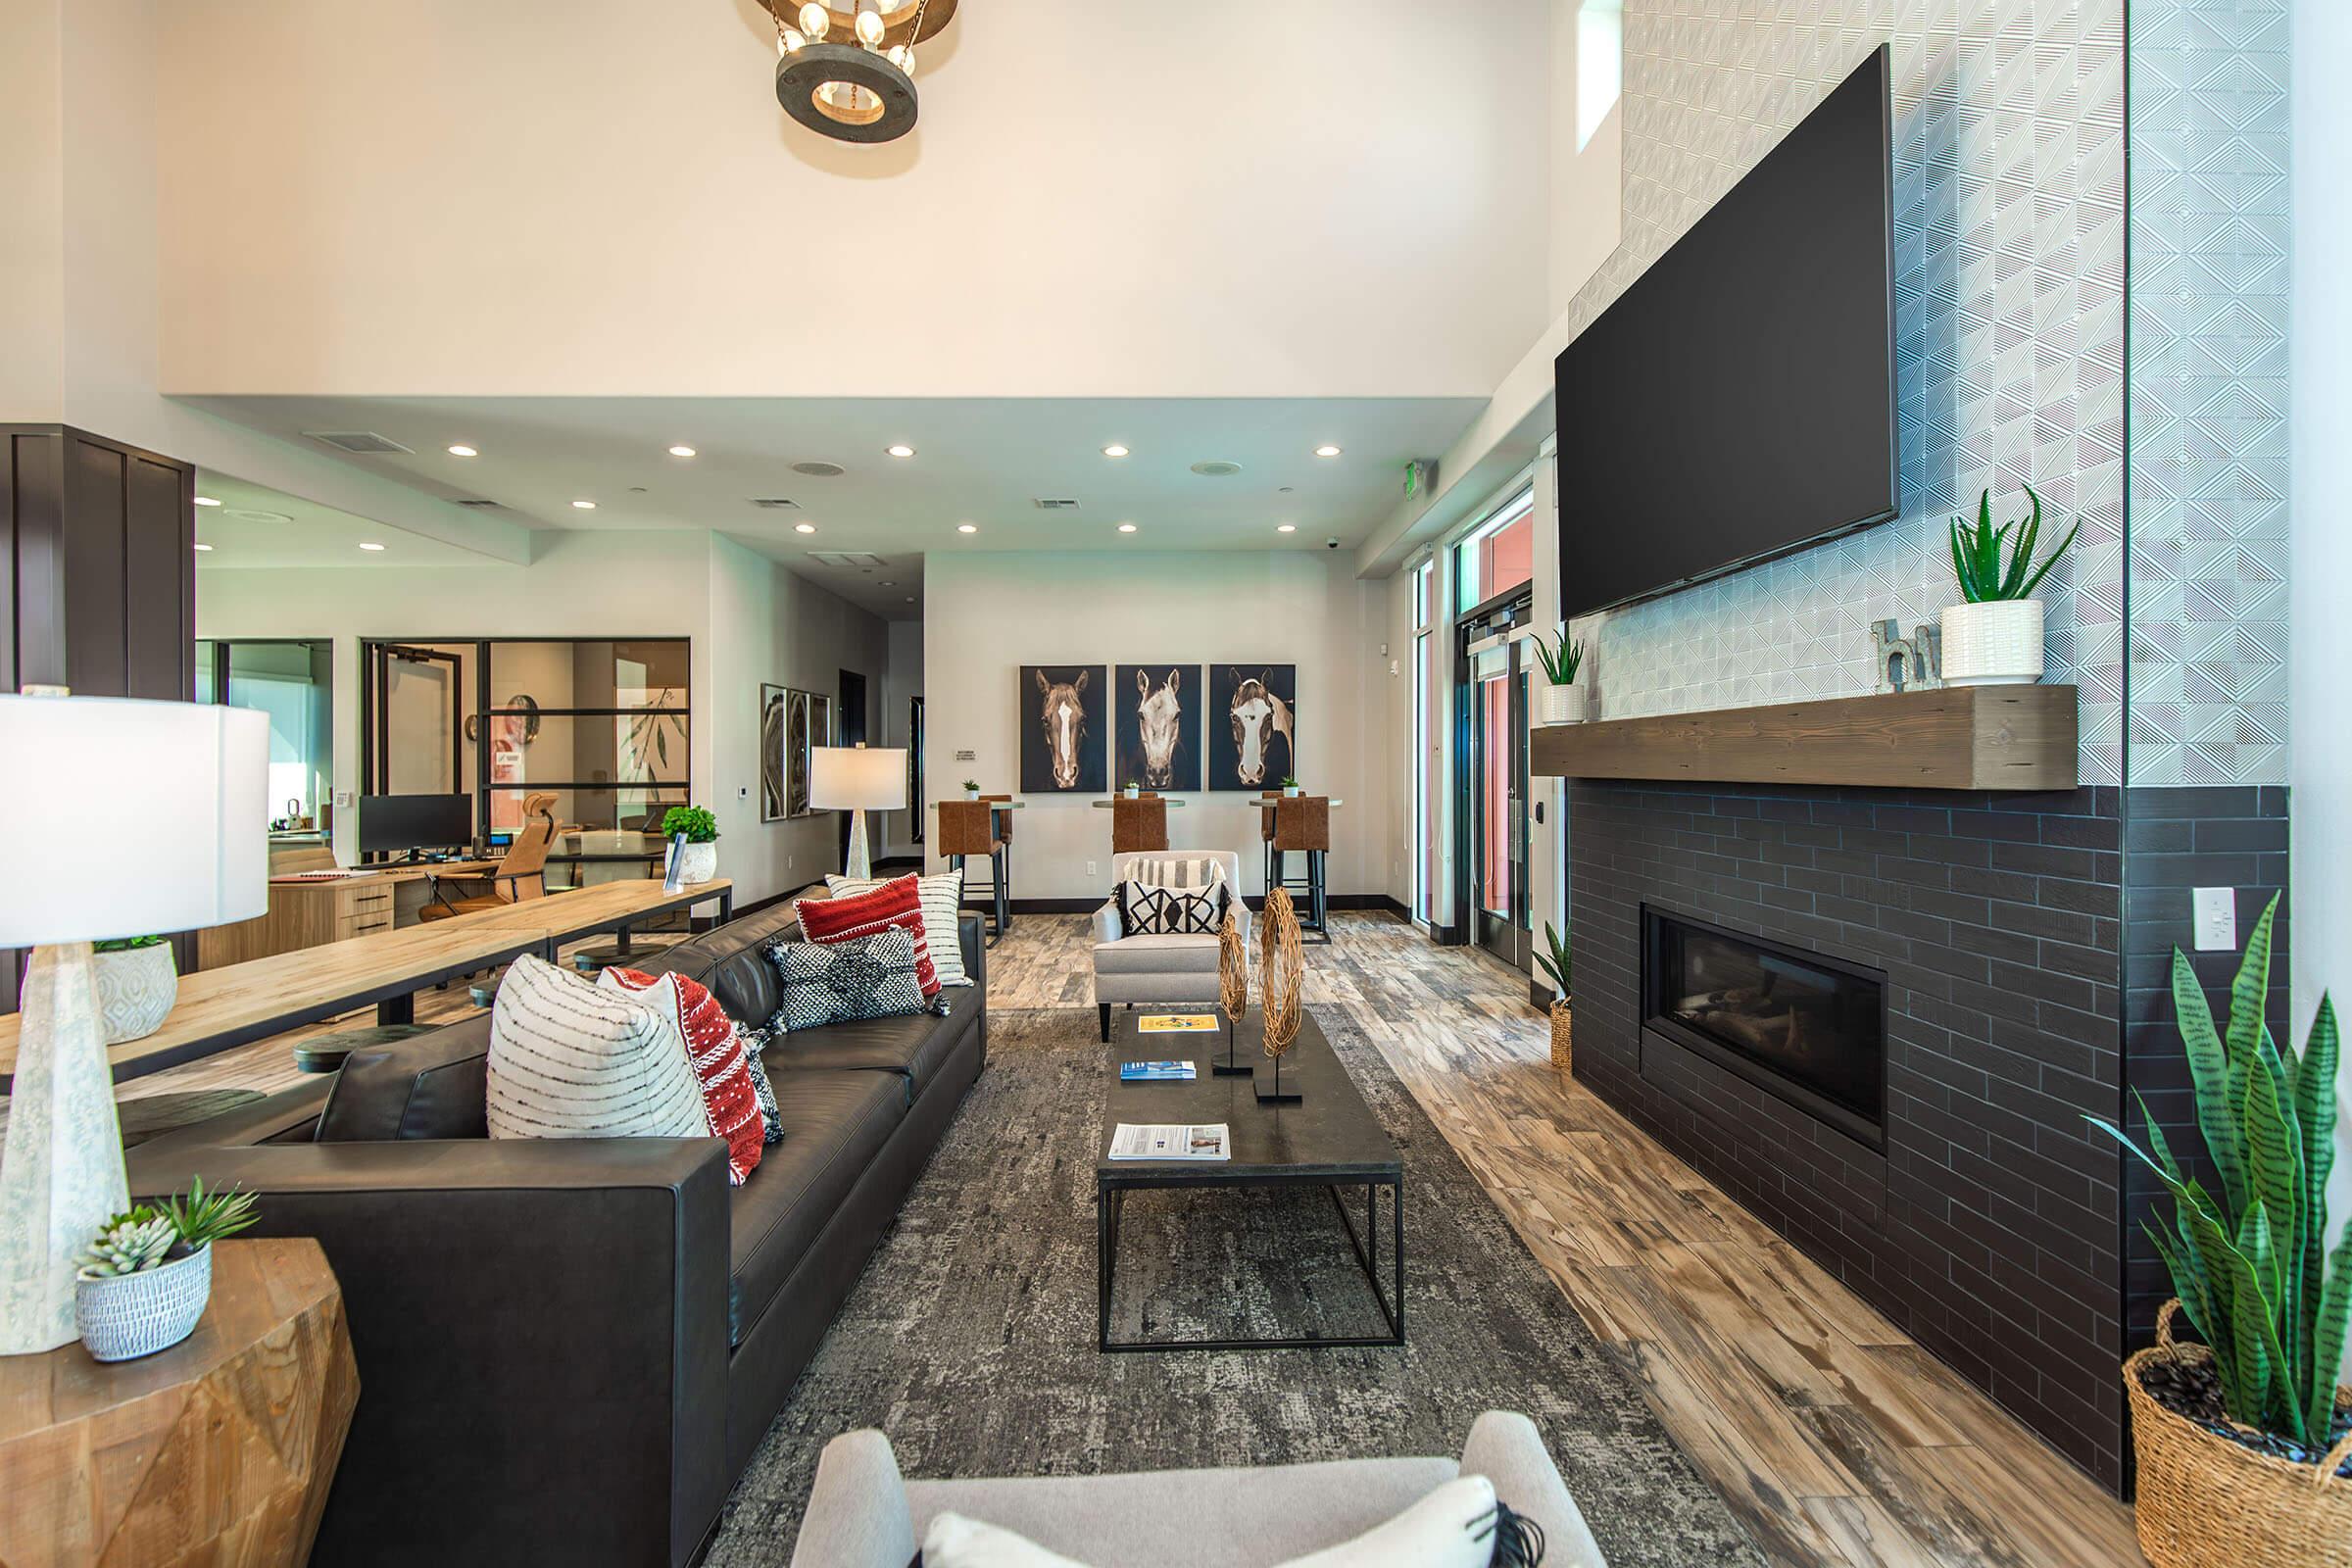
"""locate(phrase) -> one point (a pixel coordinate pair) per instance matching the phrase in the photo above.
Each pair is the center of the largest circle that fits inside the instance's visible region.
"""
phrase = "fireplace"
(1809, 1029)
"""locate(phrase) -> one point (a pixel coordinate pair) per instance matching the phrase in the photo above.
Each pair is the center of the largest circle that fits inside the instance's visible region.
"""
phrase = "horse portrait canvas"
(1156, 711)
(1063, 735)
(1253, 725)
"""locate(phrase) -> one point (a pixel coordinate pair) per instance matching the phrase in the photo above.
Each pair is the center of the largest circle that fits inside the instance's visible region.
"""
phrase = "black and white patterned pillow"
(755, 1041)
(842, 982)
(1149, 911)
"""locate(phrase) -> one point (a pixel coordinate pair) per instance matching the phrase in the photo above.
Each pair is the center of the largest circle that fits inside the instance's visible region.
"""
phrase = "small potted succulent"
(697, 861)
(971, 789)
(1563, 698)
(1995, 638)
(1558, 965)
(1291, 787)
(137, 986)
(144, 1282)
(1134, 790)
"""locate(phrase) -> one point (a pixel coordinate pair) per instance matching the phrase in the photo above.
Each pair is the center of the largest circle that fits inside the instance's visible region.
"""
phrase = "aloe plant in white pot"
(1562, 695)
(1995, 637)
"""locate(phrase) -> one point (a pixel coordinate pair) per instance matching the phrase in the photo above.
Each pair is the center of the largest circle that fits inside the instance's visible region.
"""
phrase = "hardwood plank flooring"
(1837, 1441)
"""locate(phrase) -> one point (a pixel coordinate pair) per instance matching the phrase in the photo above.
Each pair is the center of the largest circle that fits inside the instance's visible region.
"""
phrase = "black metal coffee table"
(1330, 1139)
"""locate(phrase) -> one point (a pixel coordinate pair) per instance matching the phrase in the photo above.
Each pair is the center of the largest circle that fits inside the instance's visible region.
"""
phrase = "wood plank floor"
(1833, 1438)
(1836, 1439)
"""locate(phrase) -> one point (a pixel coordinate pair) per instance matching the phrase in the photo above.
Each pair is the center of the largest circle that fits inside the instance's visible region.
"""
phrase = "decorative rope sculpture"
(1233, 969)
(1282, 962)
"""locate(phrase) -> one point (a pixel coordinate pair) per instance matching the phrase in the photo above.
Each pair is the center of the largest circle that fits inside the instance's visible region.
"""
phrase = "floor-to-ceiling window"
(1497, 556)
(1428, 754)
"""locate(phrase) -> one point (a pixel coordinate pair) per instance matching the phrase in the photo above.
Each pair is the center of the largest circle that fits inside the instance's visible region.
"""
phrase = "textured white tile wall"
(2009, 304)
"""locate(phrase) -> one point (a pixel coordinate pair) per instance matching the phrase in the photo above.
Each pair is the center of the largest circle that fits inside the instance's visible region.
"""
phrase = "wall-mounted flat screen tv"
(1737, 402)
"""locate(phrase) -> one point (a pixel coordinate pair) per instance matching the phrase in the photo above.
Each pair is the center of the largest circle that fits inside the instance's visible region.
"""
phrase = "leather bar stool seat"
(1140, 826)
(1302, 824)
(968, 828)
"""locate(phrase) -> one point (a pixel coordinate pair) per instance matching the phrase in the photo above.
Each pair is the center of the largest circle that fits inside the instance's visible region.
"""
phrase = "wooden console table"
(218, 1450)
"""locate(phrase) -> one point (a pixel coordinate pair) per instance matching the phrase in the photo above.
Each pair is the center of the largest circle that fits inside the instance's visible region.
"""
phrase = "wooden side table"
(216, 1451)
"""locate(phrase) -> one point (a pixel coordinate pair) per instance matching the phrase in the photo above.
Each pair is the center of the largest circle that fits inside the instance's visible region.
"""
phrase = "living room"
(1679, 652)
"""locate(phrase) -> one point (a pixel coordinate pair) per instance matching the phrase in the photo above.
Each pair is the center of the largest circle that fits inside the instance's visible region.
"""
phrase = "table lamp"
(858, 780)
(118, 819)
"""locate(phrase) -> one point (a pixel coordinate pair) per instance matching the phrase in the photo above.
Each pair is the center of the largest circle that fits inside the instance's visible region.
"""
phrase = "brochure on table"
(1176, 1023)
(1153, 1072)
(1187, 1144)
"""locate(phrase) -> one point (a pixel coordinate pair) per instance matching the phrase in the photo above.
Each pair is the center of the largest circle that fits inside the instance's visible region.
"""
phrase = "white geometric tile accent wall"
(2209, 391)
(2009, 311)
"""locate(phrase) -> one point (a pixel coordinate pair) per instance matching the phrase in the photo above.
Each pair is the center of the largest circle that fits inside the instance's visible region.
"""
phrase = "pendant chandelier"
(848, 72)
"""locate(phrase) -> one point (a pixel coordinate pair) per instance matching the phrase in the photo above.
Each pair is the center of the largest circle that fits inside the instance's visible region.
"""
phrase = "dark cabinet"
(97, 577)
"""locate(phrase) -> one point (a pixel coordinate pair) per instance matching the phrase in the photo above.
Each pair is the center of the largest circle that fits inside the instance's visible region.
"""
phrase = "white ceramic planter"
(1293, 791)
(1993, 644)
(1134, 792)
(1560, 705)
(971, 794)
(129, 1316)
(698, 862)
(136, 987)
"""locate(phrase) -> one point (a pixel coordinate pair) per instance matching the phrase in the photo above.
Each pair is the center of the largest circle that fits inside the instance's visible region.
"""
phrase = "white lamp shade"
(127, 819)
(849, 778)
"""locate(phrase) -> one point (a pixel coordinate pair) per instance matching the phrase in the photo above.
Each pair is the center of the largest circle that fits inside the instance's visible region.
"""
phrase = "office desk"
(312, 913)
(242, 1002)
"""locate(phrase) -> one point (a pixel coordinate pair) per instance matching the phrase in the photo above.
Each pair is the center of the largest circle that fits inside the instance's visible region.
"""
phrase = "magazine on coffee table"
(1152, 1072)
(1176, 1023)
(1201, 1142)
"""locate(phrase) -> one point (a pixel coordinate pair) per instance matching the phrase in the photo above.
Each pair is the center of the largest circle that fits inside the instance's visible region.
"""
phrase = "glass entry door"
(1495, 691)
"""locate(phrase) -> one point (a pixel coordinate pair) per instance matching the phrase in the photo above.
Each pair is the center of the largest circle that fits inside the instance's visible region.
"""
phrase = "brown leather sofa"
(570, 1350)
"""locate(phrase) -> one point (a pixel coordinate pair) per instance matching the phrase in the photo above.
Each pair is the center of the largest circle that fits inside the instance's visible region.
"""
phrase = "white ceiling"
(258, 527)
(978, 461)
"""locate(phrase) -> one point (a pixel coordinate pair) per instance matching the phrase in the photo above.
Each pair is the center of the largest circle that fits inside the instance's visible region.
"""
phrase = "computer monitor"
(408, 824)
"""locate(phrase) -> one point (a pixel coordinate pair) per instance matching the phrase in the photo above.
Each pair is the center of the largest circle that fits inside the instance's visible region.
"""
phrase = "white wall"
(508, 198)
(987, 614)
(2320, 703)
(32, 241)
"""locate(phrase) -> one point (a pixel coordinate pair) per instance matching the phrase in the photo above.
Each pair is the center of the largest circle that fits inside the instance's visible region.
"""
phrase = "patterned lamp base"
(61, 1175)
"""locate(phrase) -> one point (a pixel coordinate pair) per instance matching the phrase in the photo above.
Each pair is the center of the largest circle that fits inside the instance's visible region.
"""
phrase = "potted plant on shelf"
(2245, 1456)
(1134, 790)
(1563, 698)
(1557, 964)
(1290, 788)
(144, 1282)
(1995, 638)
(698, 859)
(971, 789)
(137, 986)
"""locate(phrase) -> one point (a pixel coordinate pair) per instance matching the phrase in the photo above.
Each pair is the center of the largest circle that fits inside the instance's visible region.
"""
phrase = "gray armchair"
(1155, 969)
(863, 1514)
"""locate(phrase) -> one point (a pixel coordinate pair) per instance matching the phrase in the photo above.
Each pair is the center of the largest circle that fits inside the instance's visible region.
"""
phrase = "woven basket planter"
(129, 1316)
(2208, 1503)
(1563, 1048)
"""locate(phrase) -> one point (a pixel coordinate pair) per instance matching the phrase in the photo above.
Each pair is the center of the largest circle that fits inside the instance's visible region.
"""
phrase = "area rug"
(971, 1340)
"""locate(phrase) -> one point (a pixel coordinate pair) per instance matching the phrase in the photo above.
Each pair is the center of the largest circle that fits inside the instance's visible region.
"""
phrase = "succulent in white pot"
(1995, 637)
(971, 789)
(1560, 696)
(137, 984)
(698, 856)
(145, 1282)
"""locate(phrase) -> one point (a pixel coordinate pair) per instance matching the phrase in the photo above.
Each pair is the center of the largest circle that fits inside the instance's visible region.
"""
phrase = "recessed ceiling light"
(886, 583)
(1286, 527)
(803, 527)
(681, 452)
(462, 452)
(369, 544)
(819, 468)
(911, 599)
(1327, 450)
(1114, 450)
(967, 528)
(204, 547)
(900, 450)
(1126, 528)
(1216, 468)
(206, 501)
(585, 505)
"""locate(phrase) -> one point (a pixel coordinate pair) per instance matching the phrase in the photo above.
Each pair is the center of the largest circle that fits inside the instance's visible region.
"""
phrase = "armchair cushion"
(1158, 955)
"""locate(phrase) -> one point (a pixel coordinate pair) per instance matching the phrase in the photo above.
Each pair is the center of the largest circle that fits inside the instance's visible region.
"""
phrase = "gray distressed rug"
(971, 1340)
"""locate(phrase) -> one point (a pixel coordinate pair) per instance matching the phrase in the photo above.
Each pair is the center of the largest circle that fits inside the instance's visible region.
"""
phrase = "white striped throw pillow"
(942, 899)
(569, 1061)
(1176, 872)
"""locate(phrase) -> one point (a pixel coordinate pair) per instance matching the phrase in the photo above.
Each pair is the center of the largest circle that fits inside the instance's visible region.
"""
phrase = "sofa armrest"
(1505, 1447)
(1106, 922)
(858, 1515)
(972, 937)
(541, 1333)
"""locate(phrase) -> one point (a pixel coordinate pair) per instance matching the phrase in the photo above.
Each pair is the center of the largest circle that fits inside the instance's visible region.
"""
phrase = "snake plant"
(1557, 962)
(2251, 1264)
(202, 1217)
(1560, 659)
(1987, 568)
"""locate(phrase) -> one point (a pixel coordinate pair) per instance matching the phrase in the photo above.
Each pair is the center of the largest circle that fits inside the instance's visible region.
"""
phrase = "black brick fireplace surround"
(1993, 1228)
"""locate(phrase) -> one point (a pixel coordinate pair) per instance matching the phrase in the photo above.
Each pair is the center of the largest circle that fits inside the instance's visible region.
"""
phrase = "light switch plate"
(1090, 869)
(344, 800)
(2217, 919)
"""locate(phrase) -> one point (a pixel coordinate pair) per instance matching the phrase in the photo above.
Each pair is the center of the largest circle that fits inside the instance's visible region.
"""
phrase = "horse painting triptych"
(1168, 729)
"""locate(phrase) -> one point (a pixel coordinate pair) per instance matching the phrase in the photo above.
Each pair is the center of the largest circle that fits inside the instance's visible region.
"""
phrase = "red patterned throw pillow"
(896, 903)
(715, 1047)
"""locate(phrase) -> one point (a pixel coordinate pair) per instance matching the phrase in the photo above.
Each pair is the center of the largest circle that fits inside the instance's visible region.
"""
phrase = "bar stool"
(1138, 825)
(1266, 833)
(966, 828)
(1303, 823)
(1001, 828)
